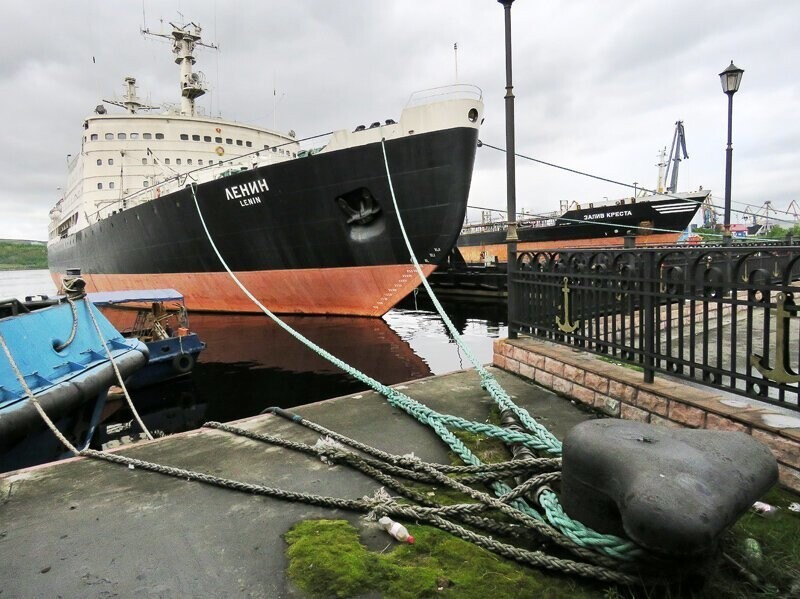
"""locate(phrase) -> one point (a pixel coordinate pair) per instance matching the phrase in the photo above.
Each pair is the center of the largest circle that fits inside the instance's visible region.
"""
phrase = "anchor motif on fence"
(780, 373)
(566, 326)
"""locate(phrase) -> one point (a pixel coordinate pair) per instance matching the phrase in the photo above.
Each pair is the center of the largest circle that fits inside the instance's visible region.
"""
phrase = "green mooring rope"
(581, 534)
(540, 439)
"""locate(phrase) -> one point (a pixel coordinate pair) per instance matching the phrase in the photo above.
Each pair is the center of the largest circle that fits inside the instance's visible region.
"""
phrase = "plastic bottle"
(397, 530)
(764, 509)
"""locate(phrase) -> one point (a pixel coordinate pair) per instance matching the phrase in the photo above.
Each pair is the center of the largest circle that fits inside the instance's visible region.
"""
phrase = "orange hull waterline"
(353, 291)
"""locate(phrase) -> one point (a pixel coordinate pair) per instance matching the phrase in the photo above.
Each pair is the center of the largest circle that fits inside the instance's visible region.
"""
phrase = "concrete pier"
(85, 528)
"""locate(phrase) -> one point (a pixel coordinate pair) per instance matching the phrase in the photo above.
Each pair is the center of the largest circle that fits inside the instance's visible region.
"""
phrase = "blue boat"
(54, 346)
(159, 318)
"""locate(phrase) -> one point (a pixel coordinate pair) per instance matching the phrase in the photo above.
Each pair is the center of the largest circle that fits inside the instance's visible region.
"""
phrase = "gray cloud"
(598, 85)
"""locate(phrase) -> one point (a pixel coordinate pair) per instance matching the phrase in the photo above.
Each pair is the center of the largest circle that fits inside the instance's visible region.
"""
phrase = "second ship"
(310, 231)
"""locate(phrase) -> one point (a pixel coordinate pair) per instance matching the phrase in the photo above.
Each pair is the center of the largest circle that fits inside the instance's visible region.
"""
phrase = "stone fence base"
(621, 392)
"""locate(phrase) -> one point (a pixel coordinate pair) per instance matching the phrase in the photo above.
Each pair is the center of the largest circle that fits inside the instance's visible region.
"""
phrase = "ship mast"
(184, 39)
(130, 100)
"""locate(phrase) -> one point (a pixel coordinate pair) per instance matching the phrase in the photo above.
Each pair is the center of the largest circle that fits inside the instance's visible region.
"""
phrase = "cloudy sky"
(598, 85)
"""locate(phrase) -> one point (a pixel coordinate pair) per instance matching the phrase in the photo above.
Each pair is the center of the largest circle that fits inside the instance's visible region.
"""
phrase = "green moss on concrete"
(326, 559)
(758, 557)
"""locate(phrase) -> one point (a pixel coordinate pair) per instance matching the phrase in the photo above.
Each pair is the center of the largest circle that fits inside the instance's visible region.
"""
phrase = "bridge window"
(109, 136)
(159, 136)
(228, 140)
(134, 136)
(111, 185)
(147, 136)
(200, 161)
(218, 140)
(99, 186)
(189, 161)
(195, 138)
(110, 162)
(121, 136)
(93, 137)
(144, 183)
(238, 142)
(99, 162)
(144, 160)
(249, 144)
(207, 138)
(178, 161)
(166, 160)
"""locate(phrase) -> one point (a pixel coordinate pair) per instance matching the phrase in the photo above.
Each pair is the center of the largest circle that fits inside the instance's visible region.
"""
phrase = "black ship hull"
(650, 221)
(317, 234)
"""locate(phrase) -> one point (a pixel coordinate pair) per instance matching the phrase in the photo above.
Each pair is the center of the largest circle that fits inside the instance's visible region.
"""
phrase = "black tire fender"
(183, 363)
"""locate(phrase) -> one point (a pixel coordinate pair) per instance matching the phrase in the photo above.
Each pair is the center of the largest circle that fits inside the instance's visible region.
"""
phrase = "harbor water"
(251, 364)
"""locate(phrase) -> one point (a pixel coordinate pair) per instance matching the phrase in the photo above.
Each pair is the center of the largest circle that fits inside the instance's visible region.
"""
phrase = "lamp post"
(730, 79)
(511, 187)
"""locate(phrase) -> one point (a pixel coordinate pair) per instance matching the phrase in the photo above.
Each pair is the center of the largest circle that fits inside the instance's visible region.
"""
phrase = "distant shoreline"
(22, 254)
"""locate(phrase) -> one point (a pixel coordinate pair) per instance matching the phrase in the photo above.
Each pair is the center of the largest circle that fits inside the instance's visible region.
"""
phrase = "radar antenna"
(184, 39)
(130, 100)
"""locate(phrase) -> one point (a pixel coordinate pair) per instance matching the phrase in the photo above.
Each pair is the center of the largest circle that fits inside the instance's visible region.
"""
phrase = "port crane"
(674, 161)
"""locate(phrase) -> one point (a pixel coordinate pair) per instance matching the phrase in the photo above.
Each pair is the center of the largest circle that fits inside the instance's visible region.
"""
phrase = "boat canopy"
(105, 298)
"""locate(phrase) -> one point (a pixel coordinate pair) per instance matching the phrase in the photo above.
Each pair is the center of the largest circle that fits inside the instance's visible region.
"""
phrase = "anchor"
(566, 326)
(780, 373)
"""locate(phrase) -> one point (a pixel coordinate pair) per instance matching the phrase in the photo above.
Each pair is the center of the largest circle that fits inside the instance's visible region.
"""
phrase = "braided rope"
(513, 510)
(74, 326)
(610, 544)
(541, 438)
(90, 307)
(365, 505)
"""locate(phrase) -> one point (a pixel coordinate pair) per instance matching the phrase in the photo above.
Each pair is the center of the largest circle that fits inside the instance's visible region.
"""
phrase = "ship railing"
(200, 174)
(544, 220)
(457, 91)
(725, 316)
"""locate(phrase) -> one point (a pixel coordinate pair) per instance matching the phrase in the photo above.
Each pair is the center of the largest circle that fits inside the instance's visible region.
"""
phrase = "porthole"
(472, 115)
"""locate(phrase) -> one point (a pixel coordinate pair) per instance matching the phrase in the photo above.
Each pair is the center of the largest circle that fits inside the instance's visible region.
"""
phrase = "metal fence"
(722, 315)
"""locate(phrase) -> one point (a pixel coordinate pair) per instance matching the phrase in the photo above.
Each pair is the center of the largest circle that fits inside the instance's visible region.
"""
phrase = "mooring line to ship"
(542, 439)
(547, 499)
(90, 306)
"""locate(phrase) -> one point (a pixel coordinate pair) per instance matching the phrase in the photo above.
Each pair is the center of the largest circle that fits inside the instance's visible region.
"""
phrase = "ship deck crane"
(673, 163)
(678, 148)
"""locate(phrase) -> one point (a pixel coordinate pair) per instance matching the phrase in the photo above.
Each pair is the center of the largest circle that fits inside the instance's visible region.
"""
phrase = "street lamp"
(511, 186)
(730, 79)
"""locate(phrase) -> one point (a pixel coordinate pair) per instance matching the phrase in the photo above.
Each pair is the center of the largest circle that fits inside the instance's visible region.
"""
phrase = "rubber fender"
(671, 491)
(183, 363)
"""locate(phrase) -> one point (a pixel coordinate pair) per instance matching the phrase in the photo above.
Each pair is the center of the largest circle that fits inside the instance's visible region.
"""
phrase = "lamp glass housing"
(731, 78)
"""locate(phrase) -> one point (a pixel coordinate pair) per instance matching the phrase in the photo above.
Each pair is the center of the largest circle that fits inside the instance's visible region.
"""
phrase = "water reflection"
(251, 363)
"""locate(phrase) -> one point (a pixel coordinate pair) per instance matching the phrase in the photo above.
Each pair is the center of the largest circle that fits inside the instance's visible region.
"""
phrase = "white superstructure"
(136, 156)
(133, 157)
